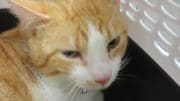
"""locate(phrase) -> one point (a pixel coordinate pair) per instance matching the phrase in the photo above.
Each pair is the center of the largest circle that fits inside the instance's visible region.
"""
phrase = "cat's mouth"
(89, 86)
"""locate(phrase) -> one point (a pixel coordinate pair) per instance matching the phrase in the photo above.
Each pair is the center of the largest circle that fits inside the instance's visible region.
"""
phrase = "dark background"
(141, 80)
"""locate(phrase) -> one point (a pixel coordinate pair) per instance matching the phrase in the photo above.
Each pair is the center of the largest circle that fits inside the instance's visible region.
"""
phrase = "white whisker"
(70, 92)
(68, 86)
(75, 93)
(125, 62)
(78, 94)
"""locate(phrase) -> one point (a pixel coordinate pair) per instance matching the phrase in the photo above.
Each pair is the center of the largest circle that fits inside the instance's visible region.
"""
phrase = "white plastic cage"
(155, 26)
(3, 4)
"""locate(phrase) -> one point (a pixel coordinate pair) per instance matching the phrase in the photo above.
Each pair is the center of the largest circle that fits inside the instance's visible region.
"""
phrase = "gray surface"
(3, 4)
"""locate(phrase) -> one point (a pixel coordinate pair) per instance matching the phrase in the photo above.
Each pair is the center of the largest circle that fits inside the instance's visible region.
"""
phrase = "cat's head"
(83, 40)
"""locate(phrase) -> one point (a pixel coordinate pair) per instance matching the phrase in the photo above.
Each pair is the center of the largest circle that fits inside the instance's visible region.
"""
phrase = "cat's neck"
(53, 89)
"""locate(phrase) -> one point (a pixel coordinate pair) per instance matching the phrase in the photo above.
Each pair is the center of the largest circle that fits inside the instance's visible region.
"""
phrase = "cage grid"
(155, 26)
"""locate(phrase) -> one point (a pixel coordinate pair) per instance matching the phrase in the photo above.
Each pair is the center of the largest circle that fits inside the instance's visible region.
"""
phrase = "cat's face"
(84, 42)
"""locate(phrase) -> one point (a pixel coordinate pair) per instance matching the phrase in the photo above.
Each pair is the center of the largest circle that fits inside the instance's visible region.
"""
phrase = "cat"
(62, 50)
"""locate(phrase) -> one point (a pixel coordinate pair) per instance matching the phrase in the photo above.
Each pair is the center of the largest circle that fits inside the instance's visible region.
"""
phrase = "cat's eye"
(71, 54)
(113, 43)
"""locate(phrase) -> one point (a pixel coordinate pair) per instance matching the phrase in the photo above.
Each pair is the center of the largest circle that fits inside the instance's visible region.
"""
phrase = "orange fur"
(14, 77)
(39, 44)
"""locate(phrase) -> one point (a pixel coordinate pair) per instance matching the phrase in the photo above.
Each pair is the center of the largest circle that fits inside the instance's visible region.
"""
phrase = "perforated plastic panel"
(155, 26)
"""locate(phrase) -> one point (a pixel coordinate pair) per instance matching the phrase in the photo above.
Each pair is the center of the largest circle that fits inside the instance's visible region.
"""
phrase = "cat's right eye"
(71, 54)
(113, 43)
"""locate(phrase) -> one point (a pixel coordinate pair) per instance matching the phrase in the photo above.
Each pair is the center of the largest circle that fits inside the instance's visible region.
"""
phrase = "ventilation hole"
(130, 15)
(135, 5)
(162, 49)
(173, 28)
(175, 2)
(152, 16)
(170, 11)
(177, 62)
(168, 39)
(151, 3)
(146, 24)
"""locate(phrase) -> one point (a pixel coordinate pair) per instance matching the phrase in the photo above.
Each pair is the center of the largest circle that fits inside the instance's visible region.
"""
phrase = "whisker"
(68, 86)
(119, 79)
(124, 63)
(127, 76)
(124, 77)
(78, 94)
(70, 92)
(75, 93)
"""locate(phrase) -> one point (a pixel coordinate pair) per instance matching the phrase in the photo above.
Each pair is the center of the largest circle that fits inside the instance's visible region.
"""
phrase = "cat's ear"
(29, 12)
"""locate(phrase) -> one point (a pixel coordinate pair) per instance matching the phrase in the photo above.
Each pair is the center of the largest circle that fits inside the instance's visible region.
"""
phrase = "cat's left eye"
(71, 54)
(113, 43)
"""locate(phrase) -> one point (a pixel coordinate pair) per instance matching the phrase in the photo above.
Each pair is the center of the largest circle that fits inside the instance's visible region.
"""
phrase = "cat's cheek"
(83, 78)
(80, 74)
(116, 63)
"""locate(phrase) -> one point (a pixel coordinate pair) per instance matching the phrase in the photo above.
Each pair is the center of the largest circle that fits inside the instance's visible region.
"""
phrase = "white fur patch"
(96, 44)
(97, 51)
(98, 58)
(99, 63)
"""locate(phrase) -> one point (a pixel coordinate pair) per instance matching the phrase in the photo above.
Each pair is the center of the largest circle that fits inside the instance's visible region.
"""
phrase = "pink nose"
(101, 77)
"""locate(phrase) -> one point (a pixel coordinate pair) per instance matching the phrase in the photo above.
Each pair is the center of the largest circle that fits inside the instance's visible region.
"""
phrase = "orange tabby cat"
(62, 50)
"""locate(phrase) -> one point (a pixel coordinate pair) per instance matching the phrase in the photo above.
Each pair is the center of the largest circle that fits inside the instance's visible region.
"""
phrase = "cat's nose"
(102, 78)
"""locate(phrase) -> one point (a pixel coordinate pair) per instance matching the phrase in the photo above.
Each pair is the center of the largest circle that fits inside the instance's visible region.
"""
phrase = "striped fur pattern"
(62, 50)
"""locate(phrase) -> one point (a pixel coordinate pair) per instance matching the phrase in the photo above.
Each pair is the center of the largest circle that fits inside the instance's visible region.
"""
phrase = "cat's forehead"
(81, 10)
(74, 18)
(70, 23)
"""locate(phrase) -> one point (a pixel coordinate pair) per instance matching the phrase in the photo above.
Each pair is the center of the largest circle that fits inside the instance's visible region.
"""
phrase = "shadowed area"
(7, 20)
(142, 80)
